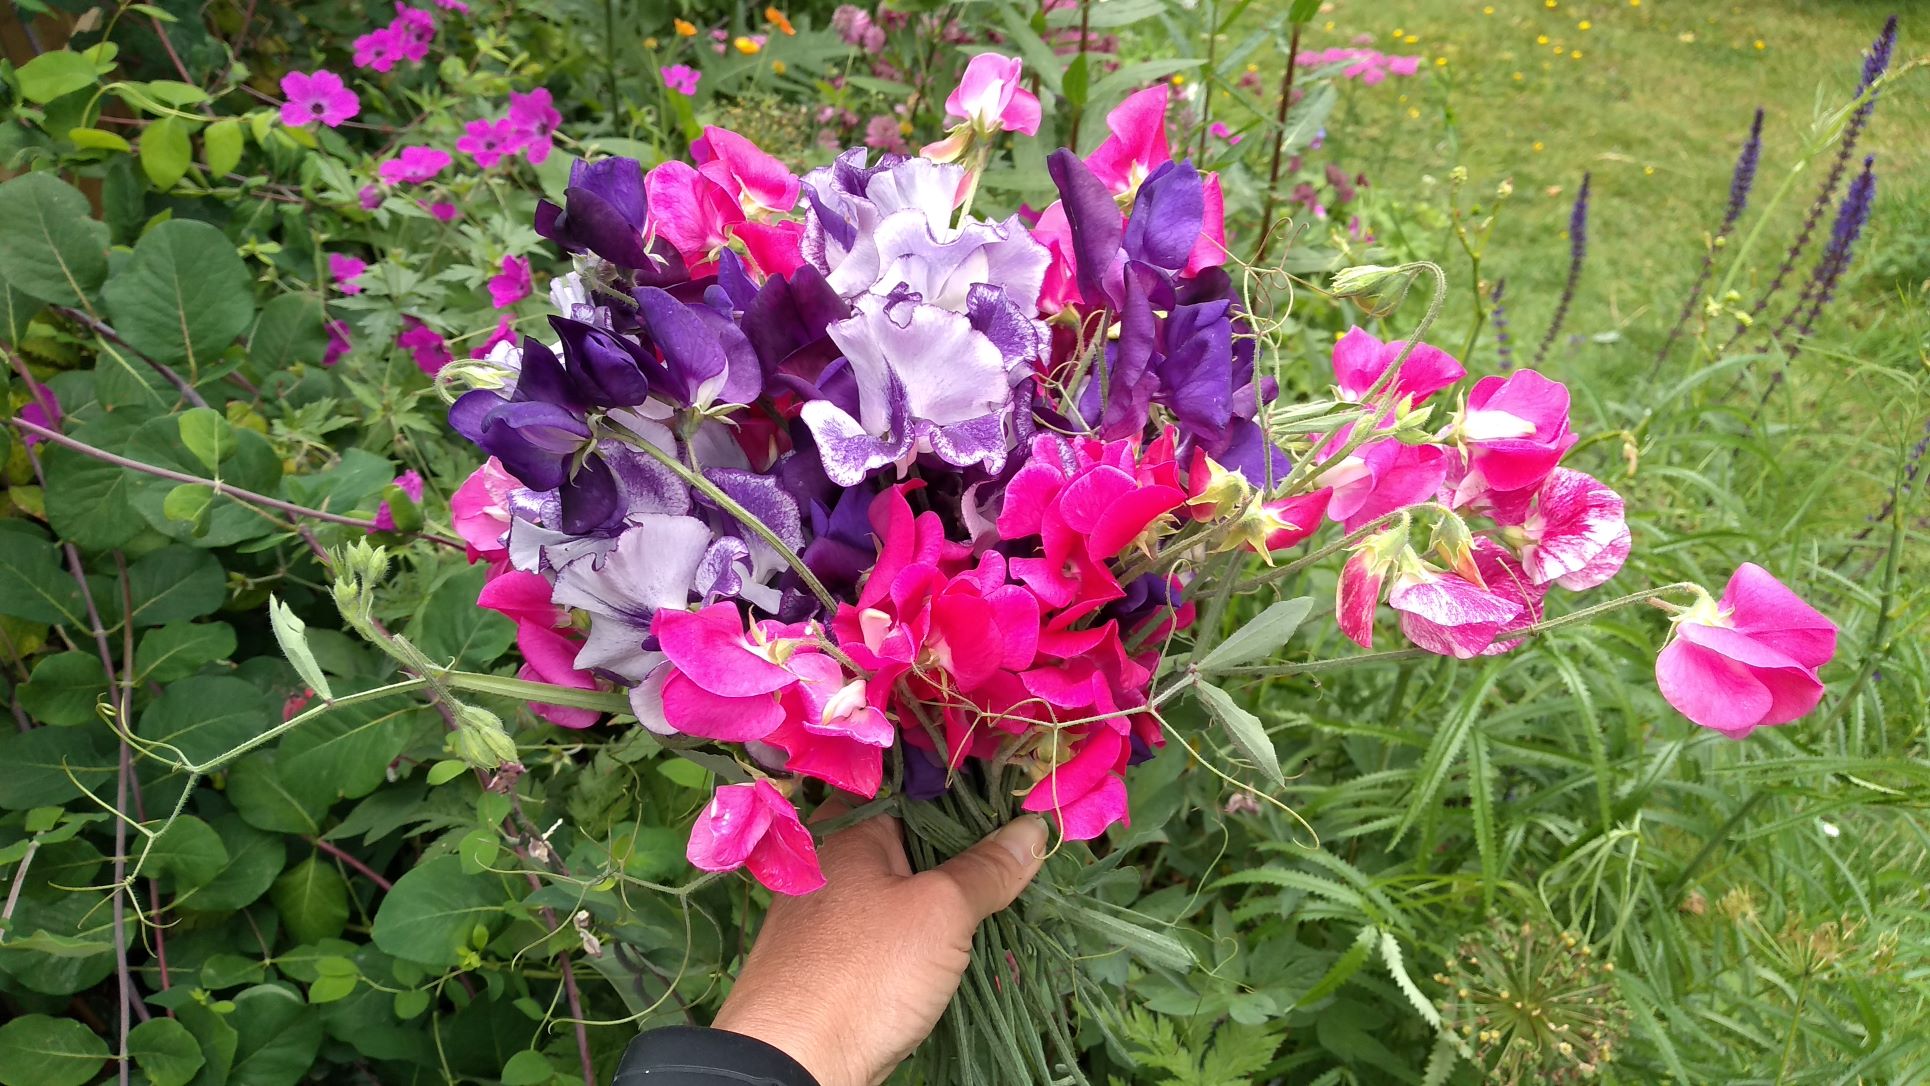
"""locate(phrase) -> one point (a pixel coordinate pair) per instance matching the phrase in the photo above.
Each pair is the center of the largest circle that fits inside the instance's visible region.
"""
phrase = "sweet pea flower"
(318, 96)
(548, 657)
(753, 825)
(1137, 145)
(1360, 358)
(1748, 660)
(410, 484)
(512, 285)
(681, 78)
(1570, 531)
(488, 142)
(479, 511)
(1446, 614)
(425, 344)
(991, 98)
(1085, 795)
(413, 165)
(345, 270)
(759, 182)
(1515, 429)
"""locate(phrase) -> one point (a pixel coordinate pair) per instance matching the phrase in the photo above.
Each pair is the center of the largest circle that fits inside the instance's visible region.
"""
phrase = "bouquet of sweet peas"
(866, 489)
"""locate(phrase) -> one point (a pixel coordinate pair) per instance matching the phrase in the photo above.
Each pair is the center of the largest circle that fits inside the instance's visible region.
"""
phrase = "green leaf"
(347, 753)
(1390, 951)
(179, 649)
(446, 770)
(1303, 11)
(254, 466)
(166, 153)
(290, 332)
(184, 295)
(217, 1040)
(1247, 732)
(291, 633)
(451, 627)
(226, 970)
(279, 1036)
(55, 250)
(222, 141)
(528, 1068)
(208, 435)
(312, 898)
(165, 1052)
(191, 504)
(34, 765)
(32, 585)
(328, 989)
(275, 801)
(429, 915)
(173, 92)
(51, 75)
(95, 139)
(175, 583)
(1260, 637)
(87, 500)
(36, 1050)
(1343, 968)
(189, 850)
(207, 715)
(254, 859)
(64, 688)
(1444, 749)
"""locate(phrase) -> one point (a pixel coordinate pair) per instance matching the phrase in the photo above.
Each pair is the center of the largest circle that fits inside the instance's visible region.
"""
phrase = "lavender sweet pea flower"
(847, 200)
(652, 566)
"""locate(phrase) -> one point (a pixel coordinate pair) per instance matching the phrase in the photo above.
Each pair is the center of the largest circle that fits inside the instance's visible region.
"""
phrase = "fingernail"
(1024, 839)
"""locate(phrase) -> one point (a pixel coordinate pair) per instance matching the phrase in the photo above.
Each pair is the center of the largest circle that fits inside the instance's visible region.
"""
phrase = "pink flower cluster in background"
(1370, 66)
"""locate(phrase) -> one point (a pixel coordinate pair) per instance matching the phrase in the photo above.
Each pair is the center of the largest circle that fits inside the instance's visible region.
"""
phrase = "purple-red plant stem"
(1279, 143)
(220, 489)
(102, 329)
(345, 857)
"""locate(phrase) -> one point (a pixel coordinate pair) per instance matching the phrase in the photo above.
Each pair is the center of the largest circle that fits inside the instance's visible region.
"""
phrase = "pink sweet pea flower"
(681, 78)
(319, 96)
(410, 483)
(1138, 142)
(512, 285)
(1571, 530)
(1446, 614)
(488, 142)
(1505, 578)
(1210, 250)
(549, 656)
(413, 165)
(1357, 594)
(479, 511)
(1515, 429)
(378, 49)
(43, 409)
(430, 350)
(1360, 359)
(345, 270)
(523, 598)
(753, 825)
(1748, 660)
(989, 96)
(533, 120)
(1085, 794)
(759, 182)
(1381, 477)
(691, 211)
(721, 679)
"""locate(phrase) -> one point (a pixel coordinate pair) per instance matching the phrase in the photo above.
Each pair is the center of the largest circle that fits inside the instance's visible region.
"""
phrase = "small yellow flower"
(1330, 24)
(1179, 80)
(1519, 77)
(1413, 113)
(746, 46)
(1537, 147)
(1399, 32)
(1635, 3)
(1687, 37)
(1541, 39)
(1584, 25)
(1549, 4)
(1761, 45)
(1648, 171)
(1576, 55)
(904, 128)
(1489, 10)
(1253, 67)
(1440, 62)
(685, 29)
(777, 19)
(778, 67)
(1412, 39)
(649, 43)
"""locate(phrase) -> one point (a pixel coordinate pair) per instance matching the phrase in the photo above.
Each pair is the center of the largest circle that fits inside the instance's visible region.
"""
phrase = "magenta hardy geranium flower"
(43, 409)
(410, 484)
(425, 344)
(338, 343)
(413, 165)
(317, 96)
(1748, 660)
(533, 120)
(345, 270)
(414, 30)
(440, 210)
(512, 285)
(378, 49)
(486, 141)
(681, 78)
(753, 825)
(369, 197)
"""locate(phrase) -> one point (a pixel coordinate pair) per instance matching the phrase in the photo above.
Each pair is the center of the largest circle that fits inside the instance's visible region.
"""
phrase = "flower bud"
(479, 738)
(1363, 279)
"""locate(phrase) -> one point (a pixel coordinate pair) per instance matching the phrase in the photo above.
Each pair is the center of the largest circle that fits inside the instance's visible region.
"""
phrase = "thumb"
(990, 874)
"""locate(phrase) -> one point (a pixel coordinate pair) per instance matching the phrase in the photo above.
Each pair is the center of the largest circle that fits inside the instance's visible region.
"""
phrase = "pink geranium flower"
(991, 98)
(440, 210)
(479, 511)
(338, 343)
(430, 350)
(345, 270)
(42, 409)
(369, 197)
(414, 165)
(413, 30)
(318, 96)
(378, 49)
(1219, 130)
(486, 141)
(532, 122)
(758, 181)
(410, 484)
(1515, 429)
(681, 78)
(1748, 660)
(505, 333)
(753, 825)
(512, 285)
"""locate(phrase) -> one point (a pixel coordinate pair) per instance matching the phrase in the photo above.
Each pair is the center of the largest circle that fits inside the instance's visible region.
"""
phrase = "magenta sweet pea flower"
(1137, 145)
(410, 483)
(693, 213)
(512, 285)
(479, 511)
(533, 120)
(721, 679)
(681, 78)
(1381, 477)
(430, 350)
(1748, 660)
(413, 165)
(318, 96)
(488, 142)
(549, 656)
(1515, 429)
(759, 182)
(345, 270)
(1360, 358)
(991, 98)
(753, 825)
(1357, 593)
(378, 49)
(1085, 794)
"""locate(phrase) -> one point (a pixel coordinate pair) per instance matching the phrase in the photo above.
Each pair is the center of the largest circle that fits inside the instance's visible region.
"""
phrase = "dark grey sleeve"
(694, 1056)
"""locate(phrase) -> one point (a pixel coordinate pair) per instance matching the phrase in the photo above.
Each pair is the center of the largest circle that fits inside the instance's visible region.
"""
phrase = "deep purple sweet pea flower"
(542, 438)
(1167, 215)
(706, 359)
(605, 368)
(1093, 218)
(604, 211)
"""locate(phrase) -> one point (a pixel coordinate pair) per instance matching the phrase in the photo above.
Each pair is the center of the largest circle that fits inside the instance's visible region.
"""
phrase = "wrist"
(790, 1031)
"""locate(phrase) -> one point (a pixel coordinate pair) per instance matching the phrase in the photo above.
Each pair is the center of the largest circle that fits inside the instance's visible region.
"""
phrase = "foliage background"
(346, 904)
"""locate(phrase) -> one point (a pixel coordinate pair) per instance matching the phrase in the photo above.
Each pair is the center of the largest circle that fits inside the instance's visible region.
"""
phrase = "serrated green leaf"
(1444, 749)
(1390, 952)
(1344, 967)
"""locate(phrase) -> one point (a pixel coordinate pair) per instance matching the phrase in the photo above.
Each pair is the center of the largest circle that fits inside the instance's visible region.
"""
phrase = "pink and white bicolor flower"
(1515, 429)
(1571, 531)
(991, 98)
(753, 825)
(1748, 660)
(1447, 614)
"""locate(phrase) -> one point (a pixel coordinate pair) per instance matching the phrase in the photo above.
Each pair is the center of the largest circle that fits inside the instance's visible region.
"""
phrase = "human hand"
(848, 980)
